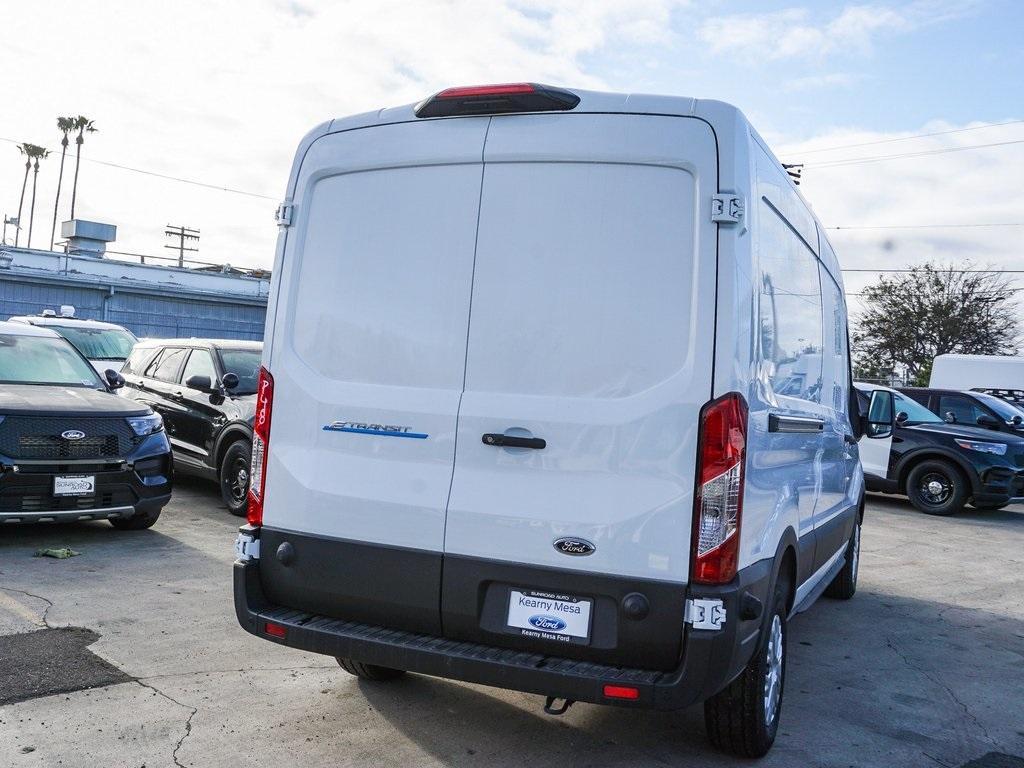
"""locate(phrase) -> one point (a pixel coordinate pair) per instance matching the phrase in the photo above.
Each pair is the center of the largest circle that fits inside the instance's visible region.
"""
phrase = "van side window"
(835, 366)
(790, 311)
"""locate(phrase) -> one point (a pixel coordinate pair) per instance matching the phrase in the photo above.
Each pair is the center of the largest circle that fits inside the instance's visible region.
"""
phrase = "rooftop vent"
(88, 238)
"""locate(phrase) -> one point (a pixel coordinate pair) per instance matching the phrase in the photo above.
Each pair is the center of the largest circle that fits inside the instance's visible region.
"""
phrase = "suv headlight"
(146, 425)
(999, 449)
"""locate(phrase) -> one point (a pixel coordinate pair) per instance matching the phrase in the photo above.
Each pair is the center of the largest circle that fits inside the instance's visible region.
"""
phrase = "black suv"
(70, 448)
(206, 392)
(941, 466)
(976, 409)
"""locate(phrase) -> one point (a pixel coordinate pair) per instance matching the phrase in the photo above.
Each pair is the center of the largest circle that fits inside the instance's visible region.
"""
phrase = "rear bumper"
(710, 660)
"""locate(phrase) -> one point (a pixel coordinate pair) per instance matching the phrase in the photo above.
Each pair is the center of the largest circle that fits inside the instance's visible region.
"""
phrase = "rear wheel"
(369, 671)
(844, 585)
(937, 488)
(234, 477)
(744, 718)
(137, 522)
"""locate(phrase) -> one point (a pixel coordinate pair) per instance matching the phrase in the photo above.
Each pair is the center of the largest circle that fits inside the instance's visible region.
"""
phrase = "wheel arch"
(786, 566)
(908, 462)
(232, 433)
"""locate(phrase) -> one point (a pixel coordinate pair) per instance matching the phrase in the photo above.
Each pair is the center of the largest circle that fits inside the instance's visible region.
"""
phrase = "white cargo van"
(528, 415)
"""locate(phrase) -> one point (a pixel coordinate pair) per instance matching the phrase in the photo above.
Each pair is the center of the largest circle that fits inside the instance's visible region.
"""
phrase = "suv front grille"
(39, 437)
(104, 498)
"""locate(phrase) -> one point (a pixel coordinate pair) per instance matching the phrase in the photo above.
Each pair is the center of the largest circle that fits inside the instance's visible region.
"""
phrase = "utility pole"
(183, 234)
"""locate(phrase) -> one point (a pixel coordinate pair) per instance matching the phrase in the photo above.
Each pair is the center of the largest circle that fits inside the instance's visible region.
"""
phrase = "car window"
(166, 367)
(245, 364)
(916, 413)
(137, 360)
(43, 360)
(200, 363)
(1003, 409)
(964, 409)
(790, 311)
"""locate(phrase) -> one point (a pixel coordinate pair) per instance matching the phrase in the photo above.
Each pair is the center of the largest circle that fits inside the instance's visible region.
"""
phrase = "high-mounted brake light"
(718, 504)
(260, 446)
(496, 99)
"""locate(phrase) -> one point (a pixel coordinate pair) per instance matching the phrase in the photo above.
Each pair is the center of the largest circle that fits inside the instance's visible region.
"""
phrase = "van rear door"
(592, 330)
(368, 364)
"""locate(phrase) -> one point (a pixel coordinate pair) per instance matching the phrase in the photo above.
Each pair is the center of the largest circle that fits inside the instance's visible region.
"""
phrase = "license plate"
(74, 485)
(562, 618)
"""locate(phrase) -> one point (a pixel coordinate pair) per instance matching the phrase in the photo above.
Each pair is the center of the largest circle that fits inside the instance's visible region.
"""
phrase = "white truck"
(981, 372)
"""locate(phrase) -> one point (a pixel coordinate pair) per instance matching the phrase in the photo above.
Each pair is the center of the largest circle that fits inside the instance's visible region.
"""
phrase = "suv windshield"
(916, 413)
(245, 364)
(1003, 409)
(43, 360)
(98, 343)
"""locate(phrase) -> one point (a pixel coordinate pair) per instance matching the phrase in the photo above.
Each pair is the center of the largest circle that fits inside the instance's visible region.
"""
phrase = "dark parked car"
(206, 392)
(70, 448)
(971, 408)
(941, 466)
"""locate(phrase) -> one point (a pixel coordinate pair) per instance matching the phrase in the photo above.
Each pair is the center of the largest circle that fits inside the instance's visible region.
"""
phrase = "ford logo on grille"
(550, 623)
(575, 547)
(72, 434)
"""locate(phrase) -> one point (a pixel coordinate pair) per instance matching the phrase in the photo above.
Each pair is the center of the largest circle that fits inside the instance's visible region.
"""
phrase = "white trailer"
(977, 372)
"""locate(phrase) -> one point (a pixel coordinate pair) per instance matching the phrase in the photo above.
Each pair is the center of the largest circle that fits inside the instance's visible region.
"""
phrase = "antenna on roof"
(794, 170)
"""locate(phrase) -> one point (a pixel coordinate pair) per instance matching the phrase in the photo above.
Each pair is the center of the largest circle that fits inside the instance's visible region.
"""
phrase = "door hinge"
(247, 547)
(704, 613)
(727, 208)
(283, 217)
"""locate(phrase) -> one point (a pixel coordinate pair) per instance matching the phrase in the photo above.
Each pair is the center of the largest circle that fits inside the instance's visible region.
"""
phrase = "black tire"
(988, 505)
(234, 477)
(137, 522)
(844, 585)
(737, 718)
(369, 671)
(937, 487)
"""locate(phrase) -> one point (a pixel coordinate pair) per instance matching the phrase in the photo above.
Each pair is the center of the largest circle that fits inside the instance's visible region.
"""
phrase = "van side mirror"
(229, 380)
(114, 379)
(199, 382)
(879, 421)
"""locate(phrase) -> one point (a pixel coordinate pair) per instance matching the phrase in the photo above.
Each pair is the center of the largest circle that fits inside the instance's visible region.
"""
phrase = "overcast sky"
(221, 92)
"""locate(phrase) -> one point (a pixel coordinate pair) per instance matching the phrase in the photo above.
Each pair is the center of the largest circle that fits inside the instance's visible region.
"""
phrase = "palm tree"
(23, 149)
(65, 125)
(83, 125)
(38, 153)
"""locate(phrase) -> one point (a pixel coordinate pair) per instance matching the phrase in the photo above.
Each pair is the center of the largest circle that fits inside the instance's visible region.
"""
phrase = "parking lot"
(924, 667)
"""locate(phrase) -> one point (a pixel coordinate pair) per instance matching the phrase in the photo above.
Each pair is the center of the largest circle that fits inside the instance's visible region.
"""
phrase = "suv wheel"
(234, 477)
(937, 488)
(136, 522)
(368, 671)
(744, 718)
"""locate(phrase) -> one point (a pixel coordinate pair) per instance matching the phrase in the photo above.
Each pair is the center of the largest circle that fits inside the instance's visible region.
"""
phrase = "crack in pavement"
(188, 721)
(49, 603)
(172, 675)
(891, 643)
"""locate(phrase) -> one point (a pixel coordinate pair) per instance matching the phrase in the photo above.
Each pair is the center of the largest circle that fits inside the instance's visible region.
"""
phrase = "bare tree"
(934, 310)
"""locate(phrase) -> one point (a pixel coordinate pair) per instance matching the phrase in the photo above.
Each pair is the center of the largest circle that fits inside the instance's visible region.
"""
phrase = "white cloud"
(814, 82)
(210, 91)
(795, 33)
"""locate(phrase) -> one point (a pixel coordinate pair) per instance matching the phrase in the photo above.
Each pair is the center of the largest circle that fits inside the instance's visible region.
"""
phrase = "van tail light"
(260, 446)
(496, 99)
(718, 503)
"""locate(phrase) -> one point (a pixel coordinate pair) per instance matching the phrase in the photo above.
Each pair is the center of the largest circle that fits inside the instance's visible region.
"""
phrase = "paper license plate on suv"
(562, 618)
(74, 485)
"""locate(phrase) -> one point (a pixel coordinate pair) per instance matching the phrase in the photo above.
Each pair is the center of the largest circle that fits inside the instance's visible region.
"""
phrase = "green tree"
(933, 310)
(65, 125)
(83, 125)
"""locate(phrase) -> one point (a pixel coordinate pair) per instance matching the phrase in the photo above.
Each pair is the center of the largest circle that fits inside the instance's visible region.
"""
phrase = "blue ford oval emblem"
(72, 434)
(550, 623)
(574, 546)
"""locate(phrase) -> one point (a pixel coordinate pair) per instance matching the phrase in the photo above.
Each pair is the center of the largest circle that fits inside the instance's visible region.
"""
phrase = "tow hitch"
(549, 705)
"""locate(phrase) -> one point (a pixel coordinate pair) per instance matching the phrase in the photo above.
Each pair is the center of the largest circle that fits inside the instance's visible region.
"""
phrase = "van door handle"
(511, 441)
(779, 423)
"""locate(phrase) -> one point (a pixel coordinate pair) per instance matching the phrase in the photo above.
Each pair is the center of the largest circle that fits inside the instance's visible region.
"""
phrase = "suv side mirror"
(949, 418)
(199, 382)
(114, 379)
(229, 380)
(902, 418)
(1017, 421)
(989, 422)
(879, 421)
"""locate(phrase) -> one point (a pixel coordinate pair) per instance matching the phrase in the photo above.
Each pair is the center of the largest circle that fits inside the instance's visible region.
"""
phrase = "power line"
(928, 226)
(906, 138)
(929, 152)
(119, 166)
(944, 271)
